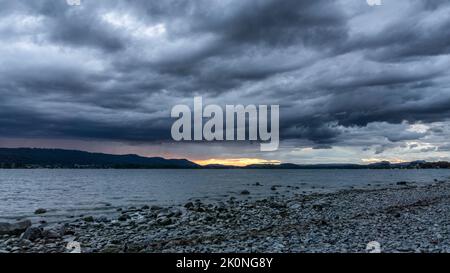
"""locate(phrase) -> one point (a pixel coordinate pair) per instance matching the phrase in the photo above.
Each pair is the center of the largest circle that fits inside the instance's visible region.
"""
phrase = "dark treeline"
(27, 158)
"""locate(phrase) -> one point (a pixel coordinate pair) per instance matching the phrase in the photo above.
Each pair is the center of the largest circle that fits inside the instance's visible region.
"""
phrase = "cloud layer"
(352, 81)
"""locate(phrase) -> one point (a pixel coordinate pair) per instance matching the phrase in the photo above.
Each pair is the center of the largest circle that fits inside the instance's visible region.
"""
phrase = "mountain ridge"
(38, 157)
(62, 158)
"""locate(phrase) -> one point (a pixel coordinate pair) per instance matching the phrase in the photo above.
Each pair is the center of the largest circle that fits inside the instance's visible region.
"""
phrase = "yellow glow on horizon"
(239, 162)
(377, 160)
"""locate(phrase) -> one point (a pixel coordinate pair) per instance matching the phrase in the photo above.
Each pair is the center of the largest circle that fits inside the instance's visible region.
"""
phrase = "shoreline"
(406, 217)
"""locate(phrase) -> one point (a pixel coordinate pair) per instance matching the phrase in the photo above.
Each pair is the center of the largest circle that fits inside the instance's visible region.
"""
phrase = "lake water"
(94, 192)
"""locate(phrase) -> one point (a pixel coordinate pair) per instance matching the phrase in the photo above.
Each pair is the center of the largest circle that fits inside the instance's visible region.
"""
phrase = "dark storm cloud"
(444, 148)
(270, 23)
(322, 147)
(113, 69)
(65, 25)
(418, 35)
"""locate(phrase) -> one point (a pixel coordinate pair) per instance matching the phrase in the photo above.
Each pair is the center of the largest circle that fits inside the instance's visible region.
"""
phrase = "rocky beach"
(402, 217)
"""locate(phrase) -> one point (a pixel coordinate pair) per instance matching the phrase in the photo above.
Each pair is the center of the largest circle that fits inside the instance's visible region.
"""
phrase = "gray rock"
(319, 206)
(134, 247)
(32, 233)
(102, 219)
(111, 248)
(14, 228)
(245, 192)
(175, 212)
(51, 234)
(15, 249)
(200, 209)
(25, 243)
(88, 219)
(64, 229)
(40, 211)
(164, 221)
(295, 206)
(221, 206)
(164, 213)
(154, 207)
(277, 205)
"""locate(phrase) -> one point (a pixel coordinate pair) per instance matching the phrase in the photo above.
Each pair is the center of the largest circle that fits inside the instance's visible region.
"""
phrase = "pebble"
(40, 211)
(88, 219)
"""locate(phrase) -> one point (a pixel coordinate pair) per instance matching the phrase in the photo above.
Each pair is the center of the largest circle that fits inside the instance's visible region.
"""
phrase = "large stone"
(14, 228)
(155, 207)
(32, 233)
(175, 212)
(102, 219)
(135, 247)
(51, 234)
(40, 211)
(189, 205)
(164, 213)
(164, 221)
(111, 248)
(295, 206)
(88, 219)
(320, 205)
(278, 205)
(221, 207)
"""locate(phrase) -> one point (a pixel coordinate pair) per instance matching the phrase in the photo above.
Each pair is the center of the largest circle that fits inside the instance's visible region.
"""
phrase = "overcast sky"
(355, 83)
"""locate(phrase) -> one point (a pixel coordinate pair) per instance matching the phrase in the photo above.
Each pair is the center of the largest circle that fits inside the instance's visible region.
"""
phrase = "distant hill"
(57, 158)
(219, 166)
(312, 166)
(379, 165)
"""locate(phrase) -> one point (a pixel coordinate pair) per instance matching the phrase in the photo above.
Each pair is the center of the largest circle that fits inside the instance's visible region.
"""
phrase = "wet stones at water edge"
(32, 233)
(40, 211)
(14, 228)
(412, 219)
(88, 219)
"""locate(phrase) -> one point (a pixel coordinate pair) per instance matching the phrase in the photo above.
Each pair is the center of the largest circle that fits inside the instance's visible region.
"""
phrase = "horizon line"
(262, 162)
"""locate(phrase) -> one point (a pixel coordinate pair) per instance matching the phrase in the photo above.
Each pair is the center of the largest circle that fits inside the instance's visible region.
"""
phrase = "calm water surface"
(77, 192)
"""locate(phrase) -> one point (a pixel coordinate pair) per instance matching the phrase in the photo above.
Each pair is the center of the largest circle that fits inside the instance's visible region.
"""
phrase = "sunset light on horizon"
(239, 162)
